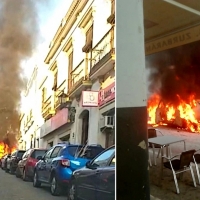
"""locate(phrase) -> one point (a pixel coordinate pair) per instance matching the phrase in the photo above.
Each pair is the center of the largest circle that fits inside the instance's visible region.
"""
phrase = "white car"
(4, 162)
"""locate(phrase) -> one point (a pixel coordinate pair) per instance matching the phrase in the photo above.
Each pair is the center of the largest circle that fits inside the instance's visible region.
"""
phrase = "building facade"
(78, 93)
(72, 96)
(30, 118)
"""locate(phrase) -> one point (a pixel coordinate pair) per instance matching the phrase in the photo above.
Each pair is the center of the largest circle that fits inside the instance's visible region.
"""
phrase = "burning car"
(185, 115)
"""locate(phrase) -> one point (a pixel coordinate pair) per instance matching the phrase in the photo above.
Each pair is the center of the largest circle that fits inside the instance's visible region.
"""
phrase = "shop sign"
(59, 119)
(55, 122)
(107, 94)
(90, 98)
(173, 40)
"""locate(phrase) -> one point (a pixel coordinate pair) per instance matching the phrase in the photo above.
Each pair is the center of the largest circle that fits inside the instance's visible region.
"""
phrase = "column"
(131, 104)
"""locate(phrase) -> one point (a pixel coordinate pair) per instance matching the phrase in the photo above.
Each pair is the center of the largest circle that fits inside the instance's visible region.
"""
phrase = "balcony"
(103, 55)
(57, 103)
(80, 79)
(47, 112)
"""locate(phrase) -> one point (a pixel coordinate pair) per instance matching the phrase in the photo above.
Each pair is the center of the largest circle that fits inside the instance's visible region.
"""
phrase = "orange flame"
(185, 115)
(5, 149)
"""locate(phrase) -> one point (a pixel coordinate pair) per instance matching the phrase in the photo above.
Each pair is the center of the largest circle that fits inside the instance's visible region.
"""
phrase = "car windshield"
(37, 153)
(92, 151)
(20, 154)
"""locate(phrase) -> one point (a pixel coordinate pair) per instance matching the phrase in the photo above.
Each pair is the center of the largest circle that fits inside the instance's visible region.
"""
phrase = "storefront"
(107, 114)
(56, 129)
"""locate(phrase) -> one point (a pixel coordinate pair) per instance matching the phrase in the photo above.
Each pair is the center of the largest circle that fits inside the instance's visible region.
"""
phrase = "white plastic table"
(165, 141)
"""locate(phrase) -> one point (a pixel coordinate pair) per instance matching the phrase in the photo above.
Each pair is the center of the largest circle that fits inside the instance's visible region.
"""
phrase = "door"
(89, 177)
(41, 167)
(106, 181)
(86, 184)
(22, 162)
(52, 163)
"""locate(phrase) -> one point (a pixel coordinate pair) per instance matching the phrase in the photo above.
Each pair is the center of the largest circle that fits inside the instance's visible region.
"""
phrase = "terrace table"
(165, 141)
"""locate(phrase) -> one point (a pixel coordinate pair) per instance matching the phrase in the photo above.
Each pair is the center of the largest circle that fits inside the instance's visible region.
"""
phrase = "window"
(48, 153)
(70, 67)
(103, 159)
(55, 152)
(37, 153)
(43, 94)
(55, 81)
(20, 154)
(112, 6)
(113, 161)
(88, 42)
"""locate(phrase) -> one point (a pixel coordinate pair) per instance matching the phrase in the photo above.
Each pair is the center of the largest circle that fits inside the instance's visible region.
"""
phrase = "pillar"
(131, 104)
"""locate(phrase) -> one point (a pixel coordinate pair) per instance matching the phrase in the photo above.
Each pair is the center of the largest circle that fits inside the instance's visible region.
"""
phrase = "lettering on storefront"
(107, 94)
(173, 40)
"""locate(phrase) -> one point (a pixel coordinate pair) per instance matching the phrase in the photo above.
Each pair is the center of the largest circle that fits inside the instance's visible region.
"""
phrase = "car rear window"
(20, 154)
(78, 150)
(37, 153)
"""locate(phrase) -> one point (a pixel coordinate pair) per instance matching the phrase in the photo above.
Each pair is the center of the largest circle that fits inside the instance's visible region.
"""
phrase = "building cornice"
(65, 26)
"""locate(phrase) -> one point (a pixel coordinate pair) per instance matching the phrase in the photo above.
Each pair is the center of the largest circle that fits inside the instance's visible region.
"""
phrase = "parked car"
(12, 162)
(4, 162)
(95, 181)
(58, 164)
(26, 165)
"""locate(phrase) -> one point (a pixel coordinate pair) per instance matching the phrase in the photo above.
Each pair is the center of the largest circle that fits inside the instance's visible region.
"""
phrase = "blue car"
(57, 165)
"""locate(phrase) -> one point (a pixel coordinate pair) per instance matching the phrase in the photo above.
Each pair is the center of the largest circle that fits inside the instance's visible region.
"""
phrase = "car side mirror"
(90, 166)
(40, 158)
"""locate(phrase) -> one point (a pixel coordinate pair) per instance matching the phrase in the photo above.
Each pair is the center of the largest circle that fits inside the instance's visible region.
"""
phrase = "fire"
(184, 116)
(5, 149)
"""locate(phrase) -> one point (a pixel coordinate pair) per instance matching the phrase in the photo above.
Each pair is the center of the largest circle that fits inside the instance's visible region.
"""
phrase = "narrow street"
(15, 188)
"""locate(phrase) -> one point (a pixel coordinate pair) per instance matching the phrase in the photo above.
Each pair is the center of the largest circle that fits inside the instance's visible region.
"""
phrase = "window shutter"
(88, 42)
(70, 67)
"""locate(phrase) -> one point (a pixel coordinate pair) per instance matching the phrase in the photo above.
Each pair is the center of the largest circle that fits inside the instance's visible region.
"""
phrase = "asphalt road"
(16, 189)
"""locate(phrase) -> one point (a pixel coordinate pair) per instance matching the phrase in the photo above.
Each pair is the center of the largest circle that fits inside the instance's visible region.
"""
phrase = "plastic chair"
(152, 132)
(178, 166)
(196, 161)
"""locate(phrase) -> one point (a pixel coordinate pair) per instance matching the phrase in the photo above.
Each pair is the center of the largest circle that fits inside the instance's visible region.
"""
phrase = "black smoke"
(175, 73)
(19, 36)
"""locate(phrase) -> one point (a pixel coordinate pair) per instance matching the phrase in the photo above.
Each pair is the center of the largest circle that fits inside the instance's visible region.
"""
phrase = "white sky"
(50, 19)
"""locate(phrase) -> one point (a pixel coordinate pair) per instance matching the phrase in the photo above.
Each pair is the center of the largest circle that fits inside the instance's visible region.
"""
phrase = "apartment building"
(77, 95)
(30, 117)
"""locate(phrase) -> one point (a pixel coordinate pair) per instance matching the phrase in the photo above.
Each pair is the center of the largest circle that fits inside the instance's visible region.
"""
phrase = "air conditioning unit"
(107, 122)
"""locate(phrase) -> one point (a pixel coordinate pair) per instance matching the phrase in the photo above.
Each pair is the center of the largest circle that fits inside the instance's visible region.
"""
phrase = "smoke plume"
(175, 73)
(18, 39)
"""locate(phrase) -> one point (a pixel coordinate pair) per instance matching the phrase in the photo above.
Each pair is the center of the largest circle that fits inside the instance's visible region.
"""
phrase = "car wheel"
(72, 192)
(36, 183)
(24, 176)
(55, 187)
(6, 170)
(11, 170)
(17, 173)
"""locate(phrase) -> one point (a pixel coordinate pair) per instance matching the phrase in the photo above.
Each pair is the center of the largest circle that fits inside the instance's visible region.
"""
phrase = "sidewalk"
(167, 190)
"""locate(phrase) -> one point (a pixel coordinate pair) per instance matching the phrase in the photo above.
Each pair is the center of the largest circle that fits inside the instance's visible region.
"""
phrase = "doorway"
(85, 125)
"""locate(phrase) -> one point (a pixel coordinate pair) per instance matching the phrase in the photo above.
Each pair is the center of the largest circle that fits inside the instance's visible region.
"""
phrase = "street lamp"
(62, 98)
(65, 102)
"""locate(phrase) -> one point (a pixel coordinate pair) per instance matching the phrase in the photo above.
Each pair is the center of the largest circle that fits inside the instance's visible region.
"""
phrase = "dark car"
(95, 181)
(4, 162)
(14, 159)
(57, 166)
(26, 165)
